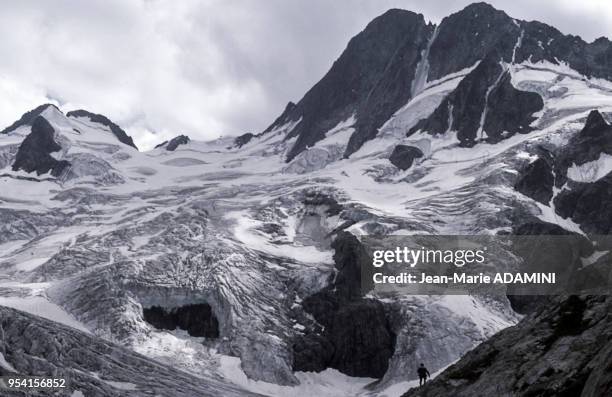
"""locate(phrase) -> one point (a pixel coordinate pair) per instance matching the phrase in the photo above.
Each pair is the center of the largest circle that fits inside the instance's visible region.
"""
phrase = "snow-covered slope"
(113, 240)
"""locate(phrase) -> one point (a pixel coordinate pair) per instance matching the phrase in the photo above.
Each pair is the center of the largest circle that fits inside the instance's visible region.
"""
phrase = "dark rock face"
(98, 118)
(537, 179)
(352, 334)
(173, 143)
(371, 79)
(197, 319)
(470, 35)
(594, 139)
(356, 338)
(160, 144)
(243, 139)
(591, 59)
(403, 156)
(558, 258)
(27, 118)
(393, 89)
(562, 350)
(484, 96)
(588, 204)
(510, 110)
(34, 152)
(350, 257)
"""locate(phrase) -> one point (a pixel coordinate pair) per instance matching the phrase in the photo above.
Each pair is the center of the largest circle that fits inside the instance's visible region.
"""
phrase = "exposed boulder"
(564, 349)
(403, 156)
(121, 135)
(197, 319)
(27, 119)
(34, 154)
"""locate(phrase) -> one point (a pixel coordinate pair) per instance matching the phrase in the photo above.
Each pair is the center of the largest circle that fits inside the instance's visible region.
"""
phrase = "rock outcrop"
(562, 350)
(403, 156)
(588, 204)
(352, 334)
(34, 154)
(175, 142)
(537, 178)
(484, 106)
(243, 139)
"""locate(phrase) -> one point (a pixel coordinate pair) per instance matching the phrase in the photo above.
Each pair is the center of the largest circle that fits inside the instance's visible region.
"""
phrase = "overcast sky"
(204, 68)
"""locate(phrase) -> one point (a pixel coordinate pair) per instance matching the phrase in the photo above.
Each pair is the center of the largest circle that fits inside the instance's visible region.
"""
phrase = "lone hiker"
(423, 374)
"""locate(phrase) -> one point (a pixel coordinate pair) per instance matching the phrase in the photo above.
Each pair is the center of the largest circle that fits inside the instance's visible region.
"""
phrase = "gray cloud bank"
(203, 68)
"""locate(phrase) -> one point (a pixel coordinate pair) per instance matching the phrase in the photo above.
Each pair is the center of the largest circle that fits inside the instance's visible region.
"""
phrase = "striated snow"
(245, 233)
(40, 306)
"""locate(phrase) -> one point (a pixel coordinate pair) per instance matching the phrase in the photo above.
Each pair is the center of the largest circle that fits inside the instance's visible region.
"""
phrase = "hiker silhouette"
(423, 374)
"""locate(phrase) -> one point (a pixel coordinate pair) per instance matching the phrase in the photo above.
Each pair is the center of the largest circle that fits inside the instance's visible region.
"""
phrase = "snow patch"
(591, 171)
(41, 307)
(328, 383)
(245, 232)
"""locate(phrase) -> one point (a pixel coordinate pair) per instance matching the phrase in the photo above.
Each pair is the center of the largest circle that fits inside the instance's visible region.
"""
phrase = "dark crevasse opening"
(197, 319)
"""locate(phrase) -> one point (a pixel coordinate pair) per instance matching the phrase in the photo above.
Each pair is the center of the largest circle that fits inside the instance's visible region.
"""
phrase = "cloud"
(203, 68)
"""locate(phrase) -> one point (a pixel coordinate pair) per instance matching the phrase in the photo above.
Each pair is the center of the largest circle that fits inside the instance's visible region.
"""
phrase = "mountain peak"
(467, 36)
(101, 119)
(28, 117)
(594, 127)
(480, 6)
(595, 120)
(395, 15)
(381, 58)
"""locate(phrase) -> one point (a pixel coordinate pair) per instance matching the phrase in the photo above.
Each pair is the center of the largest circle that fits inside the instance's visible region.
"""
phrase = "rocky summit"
(235, 266)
